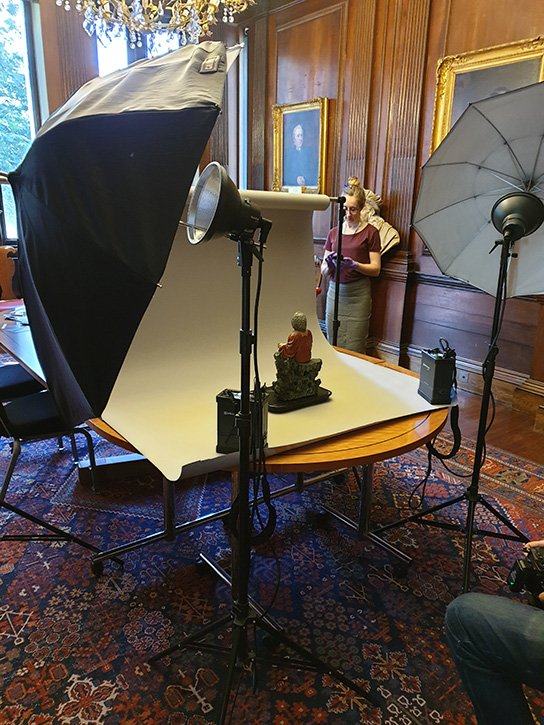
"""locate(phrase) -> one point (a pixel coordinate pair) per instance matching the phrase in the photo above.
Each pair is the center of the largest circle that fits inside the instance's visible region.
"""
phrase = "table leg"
(362, 525)
(169, 509)
(365, 499)
(365, 511)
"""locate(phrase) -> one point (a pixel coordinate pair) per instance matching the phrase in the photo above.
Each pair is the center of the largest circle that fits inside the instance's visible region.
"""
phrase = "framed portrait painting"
(470, 77)
(300, 146)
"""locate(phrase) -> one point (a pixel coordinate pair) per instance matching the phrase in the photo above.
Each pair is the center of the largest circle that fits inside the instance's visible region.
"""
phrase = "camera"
(528, 573)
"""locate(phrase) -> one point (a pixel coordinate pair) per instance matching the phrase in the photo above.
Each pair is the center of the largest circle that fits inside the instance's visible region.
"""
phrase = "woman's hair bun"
(354, 188)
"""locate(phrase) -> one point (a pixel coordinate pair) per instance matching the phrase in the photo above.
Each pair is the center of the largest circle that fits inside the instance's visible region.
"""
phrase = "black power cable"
(445, 351)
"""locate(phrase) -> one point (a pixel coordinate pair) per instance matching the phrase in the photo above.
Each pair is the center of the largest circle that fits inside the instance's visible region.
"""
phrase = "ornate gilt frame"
(279, 112)
(450, 66)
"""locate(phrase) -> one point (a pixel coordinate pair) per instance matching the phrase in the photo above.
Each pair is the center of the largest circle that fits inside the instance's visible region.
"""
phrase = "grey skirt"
(354, 308)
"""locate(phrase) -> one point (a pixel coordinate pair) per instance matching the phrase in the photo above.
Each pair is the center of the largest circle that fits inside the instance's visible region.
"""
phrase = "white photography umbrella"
(496, 147)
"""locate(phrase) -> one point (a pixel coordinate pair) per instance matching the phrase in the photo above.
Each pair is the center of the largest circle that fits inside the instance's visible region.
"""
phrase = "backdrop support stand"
(240, 653)
(472, 494)
(335, 321)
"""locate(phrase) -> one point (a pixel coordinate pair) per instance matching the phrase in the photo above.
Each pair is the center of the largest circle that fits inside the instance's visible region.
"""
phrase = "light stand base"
(243, 656)
(468, 529)
(472, 494)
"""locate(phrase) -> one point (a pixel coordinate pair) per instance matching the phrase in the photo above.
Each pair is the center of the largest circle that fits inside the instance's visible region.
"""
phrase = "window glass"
(161, 43)
(114, 54)
(16, 117)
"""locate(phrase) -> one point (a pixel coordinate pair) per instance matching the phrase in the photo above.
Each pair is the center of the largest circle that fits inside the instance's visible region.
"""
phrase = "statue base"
(284, 406)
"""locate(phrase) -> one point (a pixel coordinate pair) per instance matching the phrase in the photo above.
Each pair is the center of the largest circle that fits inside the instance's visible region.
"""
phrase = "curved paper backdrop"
(186, 349)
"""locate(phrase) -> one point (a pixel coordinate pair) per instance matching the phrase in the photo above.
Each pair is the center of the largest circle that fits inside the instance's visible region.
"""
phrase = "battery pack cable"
(445, 351)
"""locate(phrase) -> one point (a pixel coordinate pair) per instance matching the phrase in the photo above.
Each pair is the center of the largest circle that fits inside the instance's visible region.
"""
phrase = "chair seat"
(15, 382)
(34, 415)
(34, 418)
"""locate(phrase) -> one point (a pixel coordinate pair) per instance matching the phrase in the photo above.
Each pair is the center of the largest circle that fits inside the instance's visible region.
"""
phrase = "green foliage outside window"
(16, 127)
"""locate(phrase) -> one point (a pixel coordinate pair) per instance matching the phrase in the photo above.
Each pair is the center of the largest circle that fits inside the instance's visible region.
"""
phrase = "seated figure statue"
(296, 370)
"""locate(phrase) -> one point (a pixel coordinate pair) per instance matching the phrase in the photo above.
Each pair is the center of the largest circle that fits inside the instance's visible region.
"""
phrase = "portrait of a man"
(300, 146)
(470, 77)
(485, 82)
(300, 161)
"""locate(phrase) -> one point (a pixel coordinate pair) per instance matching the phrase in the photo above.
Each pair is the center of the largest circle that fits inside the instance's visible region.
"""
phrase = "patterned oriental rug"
(74, 646)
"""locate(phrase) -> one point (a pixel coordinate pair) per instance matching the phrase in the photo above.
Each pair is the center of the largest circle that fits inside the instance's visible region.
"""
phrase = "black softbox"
(99, 196)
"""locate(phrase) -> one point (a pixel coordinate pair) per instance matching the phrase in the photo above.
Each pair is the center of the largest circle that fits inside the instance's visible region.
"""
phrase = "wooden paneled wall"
(440, 305)
(69, 53)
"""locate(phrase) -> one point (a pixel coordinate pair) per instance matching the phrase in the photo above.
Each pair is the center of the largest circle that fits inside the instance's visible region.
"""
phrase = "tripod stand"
(335, 321)
(243, 613)
(472, 494)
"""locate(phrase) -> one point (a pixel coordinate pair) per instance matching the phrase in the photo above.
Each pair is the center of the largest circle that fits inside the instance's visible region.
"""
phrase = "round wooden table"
(358, 449)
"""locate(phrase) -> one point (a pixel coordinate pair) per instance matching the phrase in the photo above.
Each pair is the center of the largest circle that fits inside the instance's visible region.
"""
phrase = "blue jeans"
(497, 645)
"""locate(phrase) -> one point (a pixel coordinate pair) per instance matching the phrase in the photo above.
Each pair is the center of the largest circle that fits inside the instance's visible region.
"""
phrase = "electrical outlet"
(462, 376)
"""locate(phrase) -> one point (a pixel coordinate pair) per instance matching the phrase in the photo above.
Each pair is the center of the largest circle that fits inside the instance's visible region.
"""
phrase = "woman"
(361, 259)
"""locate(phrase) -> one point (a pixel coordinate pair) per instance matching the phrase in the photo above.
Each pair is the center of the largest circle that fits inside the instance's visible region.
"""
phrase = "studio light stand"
(217, 210)
(515, 215)
(335, 321)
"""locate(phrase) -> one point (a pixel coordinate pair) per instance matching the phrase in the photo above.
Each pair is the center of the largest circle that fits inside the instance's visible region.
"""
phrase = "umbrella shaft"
(192, 226)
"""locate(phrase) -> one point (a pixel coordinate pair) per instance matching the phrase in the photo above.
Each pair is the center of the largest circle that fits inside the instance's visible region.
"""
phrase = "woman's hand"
(348, 263)
(328, 266)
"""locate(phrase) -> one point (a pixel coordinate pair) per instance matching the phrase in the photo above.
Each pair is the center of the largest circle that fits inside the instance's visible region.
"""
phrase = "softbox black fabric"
(99, 197)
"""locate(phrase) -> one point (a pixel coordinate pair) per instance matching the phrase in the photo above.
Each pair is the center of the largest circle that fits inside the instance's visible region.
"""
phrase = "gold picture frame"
(463, 79)
(300, 145)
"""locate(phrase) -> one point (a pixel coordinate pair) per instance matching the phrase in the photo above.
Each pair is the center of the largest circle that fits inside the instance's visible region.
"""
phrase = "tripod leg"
(419, 515)
(238, 639)
(504, 520)
(468, 543)
(316, 663)
(190, 640)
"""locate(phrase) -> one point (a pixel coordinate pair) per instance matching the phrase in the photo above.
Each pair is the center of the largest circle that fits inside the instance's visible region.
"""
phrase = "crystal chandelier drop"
(189, 19)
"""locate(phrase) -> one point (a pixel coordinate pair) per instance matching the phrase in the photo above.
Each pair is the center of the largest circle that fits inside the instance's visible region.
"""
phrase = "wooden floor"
(511, 431)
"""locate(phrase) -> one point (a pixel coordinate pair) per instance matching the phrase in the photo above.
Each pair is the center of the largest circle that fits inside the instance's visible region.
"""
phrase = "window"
(19, 118)
(112, 57)
(117, 53)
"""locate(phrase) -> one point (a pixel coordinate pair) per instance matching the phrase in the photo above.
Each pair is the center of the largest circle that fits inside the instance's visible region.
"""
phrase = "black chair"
(15, 382)
(33, 418)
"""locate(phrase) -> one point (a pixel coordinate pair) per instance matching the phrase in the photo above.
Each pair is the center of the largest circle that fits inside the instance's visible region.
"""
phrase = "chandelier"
(188, 19)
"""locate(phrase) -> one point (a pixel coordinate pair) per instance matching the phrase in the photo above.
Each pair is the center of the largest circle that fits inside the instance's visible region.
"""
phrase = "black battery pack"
(228, 406)
(437, 375)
